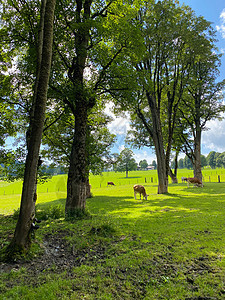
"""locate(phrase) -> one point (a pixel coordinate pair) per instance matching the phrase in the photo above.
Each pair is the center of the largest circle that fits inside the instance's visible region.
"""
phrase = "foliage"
(143, 164)
(211, 159)
(125, 162)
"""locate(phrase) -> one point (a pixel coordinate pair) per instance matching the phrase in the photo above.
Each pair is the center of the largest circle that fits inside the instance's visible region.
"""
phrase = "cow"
(183, 179)
(110, 183)
(141, 190)
(193, 180)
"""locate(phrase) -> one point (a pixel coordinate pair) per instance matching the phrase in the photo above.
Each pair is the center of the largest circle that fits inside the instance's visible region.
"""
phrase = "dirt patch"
(56, 253)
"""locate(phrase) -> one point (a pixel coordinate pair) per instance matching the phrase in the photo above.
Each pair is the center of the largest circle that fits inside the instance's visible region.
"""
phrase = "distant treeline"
(213, 159)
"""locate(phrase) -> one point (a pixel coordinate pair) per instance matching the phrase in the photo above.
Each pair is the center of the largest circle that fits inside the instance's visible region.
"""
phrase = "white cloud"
(119, 125)
(144, 154)
(221, 28)
(214, 138)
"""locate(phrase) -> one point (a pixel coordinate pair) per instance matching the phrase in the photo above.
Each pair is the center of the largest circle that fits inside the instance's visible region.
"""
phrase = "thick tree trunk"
(22, 236)
(197, 155)
(159, 147)
(161, 170)
(78, 173)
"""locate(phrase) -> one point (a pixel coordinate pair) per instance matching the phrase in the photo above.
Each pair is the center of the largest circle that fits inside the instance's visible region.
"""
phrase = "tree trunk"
(22, 237)
(159, 147)
(78, 173)
(173, 176)
(197, 155)
(88, 189)
(161, 170)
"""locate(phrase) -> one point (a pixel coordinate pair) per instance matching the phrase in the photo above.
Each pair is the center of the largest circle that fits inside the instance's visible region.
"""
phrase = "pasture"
(170, 246)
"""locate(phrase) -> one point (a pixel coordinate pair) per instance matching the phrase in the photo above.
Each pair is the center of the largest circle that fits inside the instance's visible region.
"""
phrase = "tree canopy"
(125, 162)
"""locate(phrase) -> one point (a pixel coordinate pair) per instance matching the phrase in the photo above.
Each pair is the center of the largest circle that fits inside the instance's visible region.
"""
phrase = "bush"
(51, 212)
(77, 214)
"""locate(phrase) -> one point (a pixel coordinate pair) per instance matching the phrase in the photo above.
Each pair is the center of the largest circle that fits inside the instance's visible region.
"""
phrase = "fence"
(10, 190)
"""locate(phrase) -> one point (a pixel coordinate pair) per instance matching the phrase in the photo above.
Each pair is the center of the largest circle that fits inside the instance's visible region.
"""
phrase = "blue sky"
(214, 138)
(213, 11)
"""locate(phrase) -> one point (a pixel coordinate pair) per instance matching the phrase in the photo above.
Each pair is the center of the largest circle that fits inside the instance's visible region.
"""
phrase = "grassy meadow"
(170, 246)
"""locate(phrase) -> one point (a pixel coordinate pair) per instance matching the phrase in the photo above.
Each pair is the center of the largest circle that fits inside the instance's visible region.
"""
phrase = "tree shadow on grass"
(107, 204)
(60, 201)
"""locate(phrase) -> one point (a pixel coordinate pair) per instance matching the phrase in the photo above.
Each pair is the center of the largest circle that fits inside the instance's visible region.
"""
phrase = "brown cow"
(193, 180)
(110, 183)
(141, 190)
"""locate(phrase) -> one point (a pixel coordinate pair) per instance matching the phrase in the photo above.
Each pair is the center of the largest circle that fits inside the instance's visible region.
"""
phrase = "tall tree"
(88, 40)
(125, 162)
(22, 236)
(203, 101)
(143, 164)
(211, 159)
(157, 76)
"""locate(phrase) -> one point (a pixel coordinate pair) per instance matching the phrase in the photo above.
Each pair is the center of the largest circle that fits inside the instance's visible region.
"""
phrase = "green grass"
(171, 246)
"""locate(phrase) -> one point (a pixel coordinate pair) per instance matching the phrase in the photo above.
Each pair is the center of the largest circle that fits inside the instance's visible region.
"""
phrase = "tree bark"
(159, 147)
(173, 176)
(22, 237)
(197, 154)
(78, 173)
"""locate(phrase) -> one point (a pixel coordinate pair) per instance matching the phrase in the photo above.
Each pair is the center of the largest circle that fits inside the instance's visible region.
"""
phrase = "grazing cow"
(194, 181)
(110, 183)
(141, 190)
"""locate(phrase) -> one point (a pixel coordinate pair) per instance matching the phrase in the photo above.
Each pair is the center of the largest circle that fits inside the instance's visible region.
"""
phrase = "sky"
(214, 138)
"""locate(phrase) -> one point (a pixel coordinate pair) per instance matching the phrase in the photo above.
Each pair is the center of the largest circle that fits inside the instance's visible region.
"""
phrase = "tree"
(154, 164)
(203, 161)
(88, 39)
(203, 97)
(156, 78)
(22, 236)
(125, 162)
(220, 160)
(188, 163)
(211, 161)
(181, 163)
(143, 164)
